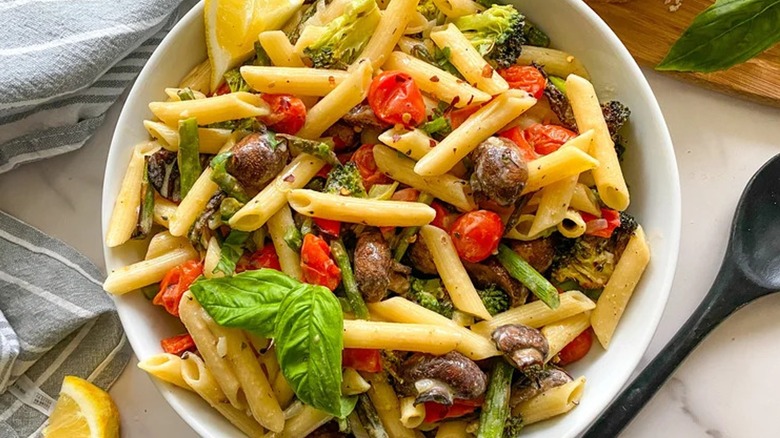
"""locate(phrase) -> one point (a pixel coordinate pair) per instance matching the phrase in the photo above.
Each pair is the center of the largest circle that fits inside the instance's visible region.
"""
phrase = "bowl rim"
(666, 150)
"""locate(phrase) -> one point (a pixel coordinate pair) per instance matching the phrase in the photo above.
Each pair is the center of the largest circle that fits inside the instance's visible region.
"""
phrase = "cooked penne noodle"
(198, 78)
(273, 197)
(282, 391)
(197, 322)
(124, 217)
(399, 309)
(536, 314)
(478, 127)
(424, 338)
(572, 225)
(201, 379)
(559, 334)
(139, 274)
(215, 109)
(293, 80)
(391, 27)
(613, 300)
(338, 102)
(468, 61)
(555, 62)
(278, 225)
(163, 210)
(166, 367)
(456, 8)
(447, 187)
(556, 166)
(163, 242)
(555, 401)
(306, 422)
(353, 383)
(267, 360)
(587, 111)
(411, 415)
(210, 140)
(453, 429)
(279, 49)
(173, 94)
(435, 81)
(211, 260)
(522, 231)
(414, 143)
(454, 276)
(385, 400)
(360, 210)
(583, 199)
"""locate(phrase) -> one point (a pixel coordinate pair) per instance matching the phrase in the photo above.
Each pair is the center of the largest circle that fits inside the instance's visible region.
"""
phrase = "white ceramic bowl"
(650, 169)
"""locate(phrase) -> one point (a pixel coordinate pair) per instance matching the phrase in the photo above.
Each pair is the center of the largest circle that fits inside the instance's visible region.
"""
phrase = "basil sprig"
(305, 321)
(725, 34)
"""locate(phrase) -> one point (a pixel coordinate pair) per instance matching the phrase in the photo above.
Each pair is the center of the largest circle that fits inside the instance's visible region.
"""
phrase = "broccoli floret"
(497, 33)
(428, 9)
(589, 260)
(494, 299)
(534, 36)
(431, 295)
(346, 181)
(343, 39)
(512, 427)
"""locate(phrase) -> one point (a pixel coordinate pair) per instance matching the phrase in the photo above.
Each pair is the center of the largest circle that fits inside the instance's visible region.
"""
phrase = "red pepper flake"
(396, 138)
(289, 178)
(455, 100)
(332, 80)
(434, 79)
(432, 143)
(487, 71)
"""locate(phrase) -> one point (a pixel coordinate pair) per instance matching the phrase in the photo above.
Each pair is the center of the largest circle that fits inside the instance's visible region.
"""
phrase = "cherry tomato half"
(516, 136)
(444, 217)
(525, 77)
(175, 283)
(546, 139)
(395, 98)
(317, 265)
(328, 226)
(408, 195)
(367, 360)
(178, 344)
(264, 257)
(576, 349)
(364, 158)
(288, 113)
(476, 235)
(436, 412)
(458, 116)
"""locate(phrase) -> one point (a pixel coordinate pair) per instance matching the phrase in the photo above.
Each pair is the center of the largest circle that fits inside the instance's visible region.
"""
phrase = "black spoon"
(750, 270)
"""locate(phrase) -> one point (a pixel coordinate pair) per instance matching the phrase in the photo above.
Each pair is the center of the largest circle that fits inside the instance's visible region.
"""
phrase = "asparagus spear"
(526, 274)
(496, 407)
(189, 154)
(348, 278)
(409, 232)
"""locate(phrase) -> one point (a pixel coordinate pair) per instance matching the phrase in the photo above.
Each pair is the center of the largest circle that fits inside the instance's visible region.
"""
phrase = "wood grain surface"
(649, 28)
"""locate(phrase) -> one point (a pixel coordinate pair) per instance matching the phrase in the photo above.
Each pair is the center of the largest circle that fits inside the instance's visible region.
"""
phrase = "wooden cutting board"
(649, 28)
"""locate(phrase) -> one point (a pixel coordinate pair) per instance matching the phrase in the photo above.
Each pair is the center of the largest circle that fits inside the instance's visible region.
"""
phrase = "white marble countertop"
(722, 390)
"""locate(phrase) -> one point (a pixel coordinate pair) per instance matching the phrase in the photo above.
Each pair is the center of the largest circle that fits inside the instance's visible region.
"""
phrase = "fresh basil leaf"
(725, 34)
(249, 300)
(308, 339)
(231, 251)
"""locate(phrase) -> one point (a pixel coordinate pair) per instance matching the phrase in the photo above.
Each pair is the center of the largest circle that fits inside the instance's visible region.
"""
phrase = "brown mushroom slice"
(500, 172)
(531, 385)
(490, 272)
(421, 258)
(257, 159)
(538, 253)
(373, 265)
(524, 347)
(442, 379)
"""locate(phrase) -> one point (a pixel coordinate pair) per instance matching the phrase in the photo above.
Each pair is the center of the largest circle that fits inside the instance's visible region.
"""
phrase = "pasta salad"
(385, 219)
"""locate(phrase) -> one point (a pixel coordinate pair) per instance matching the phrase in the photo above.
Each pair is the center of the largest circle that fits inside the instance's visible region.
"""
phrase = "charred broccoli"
(346, 181)
(343, 39)
(494, 299)
(589, 260)
(498, 33)
(431, 295)
(428, 9)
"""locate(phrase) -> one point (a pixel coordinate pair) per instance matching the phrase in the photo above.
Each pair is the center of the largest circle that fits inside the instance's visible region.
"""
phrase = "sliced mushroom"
(363, 116)
(531, 385)
(490, 272)
(421, 258)
(373, 265)
(524, 347)
(257, 159)
(500, 172)
(163, 170)
(442, 379)
(538, 253)
(344, 136)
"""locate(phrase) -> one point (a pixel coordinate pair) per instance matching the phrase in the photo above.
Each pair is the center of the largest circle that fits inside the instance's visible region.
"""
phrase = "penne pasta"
(555, 62)
(478, 127)
(522, 230)
(353, 383)
(282, 391)
(424, 338)
(536, 314)
(391, 27)
(438, 83)
(447, 187)
(454, 276)
(613, 300)
(279, 49)
(468, 61)
(359, 210)
(124, 217)
(306, 422)
(560, 333)
(211, 260)
(301, 81)
(587, 111)
(273, 197)
(385, 400)
(453, 429)
(412, 415)
(166, 367)
(548, 404)
(210, 140)
(198, 78)
(572, 225)
(163, 242)
(146, 272)
(583, 199)
(278, 226)
(173, 94)
(216, 109)
(414, 144)
(163, 210)
(556, 166)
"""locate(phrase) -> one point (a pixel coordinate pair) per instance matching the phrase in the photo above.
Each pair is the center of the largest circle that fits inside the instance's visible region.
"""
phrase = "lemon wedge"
(232, 27)
(83, 411)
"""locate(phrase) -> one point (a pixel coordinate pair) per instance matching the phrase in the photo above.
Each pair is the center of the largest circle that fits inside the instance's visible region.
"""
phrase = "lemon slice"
(232, 27)
(83, 411)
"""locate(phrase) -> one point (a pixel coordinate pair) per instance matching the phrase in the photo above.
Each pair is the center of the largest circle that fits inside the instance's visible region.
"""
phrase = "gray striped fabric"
(55, 320)
(65, 63)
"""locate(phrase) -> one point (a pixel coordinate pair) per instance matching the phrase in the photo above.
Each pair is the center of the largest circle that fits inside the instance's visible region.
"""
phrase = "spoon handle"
(719, 303)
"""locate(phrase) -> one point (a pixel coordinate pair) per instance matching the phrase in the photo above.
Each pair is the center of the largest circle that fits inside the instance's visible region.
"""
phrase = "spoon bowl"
(750, 270)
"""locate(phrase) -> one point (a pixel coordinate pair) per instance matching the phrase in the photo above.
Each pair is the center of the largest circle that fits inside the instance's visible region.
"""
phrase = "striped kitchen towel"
(65, 63)
(55, 320)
